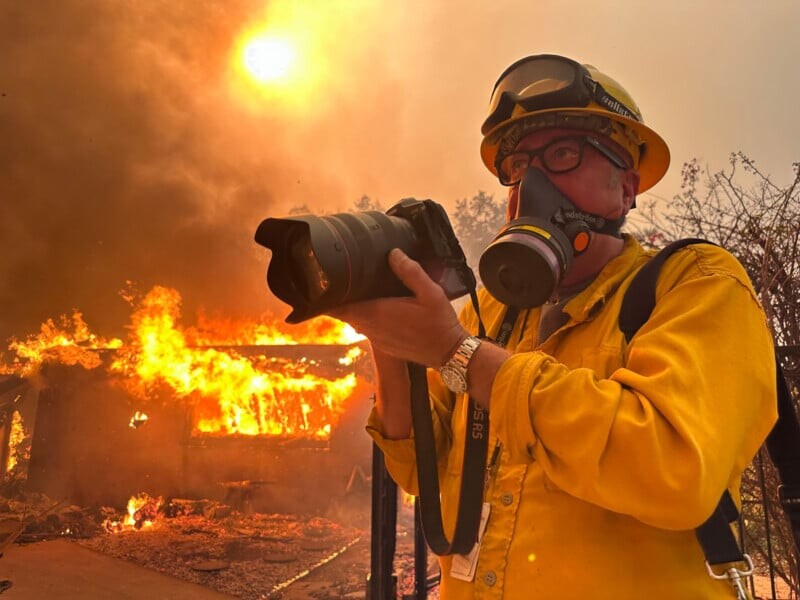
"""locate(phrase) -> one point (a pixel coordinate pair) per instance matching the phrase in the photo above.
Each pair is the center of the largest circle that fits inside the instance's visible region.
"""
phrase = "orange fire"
(19, 448)
(246, 398)
(67, 341)
(141, 514)
(230, 393)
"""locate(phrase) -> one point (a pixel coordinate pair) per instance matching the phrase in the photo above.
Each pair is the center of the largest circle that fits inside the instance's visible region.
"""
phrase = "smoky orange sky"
(132, 149)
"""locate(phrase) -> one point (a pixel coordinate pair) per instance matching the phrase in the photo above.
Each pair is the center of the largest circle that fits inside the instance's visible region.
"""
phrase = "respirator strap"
(611, 227)
(594, 222)
(470, 497)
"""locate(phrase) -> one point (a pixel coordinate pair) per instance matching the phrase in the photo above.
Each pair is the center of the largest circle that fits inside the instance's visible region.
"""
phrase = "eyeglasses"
(547, 81)
(558, 156)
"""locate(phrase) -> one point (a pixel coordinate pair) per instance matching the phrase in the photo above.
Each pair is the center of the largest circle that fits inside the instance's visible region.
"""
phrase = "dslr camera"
(319, 263)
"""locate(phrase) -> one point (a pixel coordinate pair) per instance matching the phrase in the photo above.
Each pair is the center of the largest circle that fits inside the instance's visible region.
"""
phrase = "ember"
(137, 420)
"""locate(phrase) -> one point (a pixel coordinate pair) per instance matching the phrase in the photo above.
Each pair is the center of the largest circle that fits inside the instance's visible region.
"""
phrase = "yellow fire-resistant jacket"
(611, 453)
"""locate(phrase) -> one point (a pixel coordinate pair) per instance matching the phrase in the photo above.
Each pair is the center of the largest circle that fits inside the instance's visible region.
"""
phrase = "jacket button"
(490, 578)
(507, 499)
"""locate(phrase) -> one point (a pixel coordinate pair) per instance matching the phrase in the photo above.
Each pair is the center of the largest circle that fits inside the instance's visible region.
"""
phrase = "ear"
(630, 187)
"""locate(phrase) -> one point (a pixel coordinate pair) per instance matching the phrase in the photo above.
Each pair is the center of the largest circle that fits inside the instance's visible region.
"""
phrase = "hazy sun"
(280, 60)
(267, 59)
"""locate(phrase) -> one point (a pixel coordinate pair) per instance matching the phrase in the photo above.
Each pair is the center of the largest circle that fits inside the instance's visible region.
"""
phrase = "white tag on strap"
(464, 566)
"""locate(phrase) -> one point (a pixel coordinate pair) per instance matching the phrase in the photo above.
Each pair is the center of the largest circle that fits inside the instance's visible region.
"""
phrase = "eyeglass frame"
(612, 157)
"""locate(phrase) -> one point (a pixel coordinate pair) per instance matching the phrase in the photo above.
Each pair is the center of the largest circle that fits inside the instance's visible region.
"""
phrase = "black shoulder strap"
(715, 535)
(640, 299)
(783, 442)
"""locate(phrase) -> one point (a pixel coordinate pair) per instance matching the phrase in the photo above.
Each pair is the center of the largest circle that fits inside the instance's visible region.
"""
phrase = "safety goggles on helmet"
(547, 81)
(558, 156)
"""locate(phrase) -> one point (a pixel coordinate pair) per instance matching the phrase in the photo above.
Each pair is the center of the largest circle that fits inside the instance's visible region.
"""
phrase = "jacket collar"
(585, 304)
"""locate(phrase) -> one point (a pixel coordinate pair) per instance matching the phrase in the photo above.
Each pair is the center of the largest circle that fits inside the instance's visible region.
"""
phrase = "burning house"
(261, 417)
(229, 454)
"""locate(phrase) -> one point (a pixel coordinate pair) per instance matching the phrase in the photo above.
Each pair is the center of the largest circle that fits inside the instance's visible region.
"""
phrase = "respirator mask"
(525, 262)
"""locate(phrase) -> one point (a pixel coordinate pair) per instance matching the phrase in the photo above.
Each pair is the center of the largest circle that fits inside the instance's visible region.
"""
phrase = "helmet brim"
(653, 162)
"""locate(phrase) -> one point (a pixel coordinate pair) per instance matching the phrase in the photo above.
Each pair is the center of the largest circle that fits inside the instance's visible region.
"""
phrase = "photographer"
(605, 455)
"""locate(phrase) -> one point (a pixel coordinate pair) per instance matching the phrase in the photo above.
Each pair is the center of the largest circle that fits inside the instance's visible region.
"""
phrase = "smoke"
(128, 152)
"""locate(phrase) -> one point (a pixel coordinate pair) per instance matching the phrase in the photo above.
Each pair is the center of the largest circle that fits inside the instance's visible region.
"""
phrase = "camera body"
(319, 263)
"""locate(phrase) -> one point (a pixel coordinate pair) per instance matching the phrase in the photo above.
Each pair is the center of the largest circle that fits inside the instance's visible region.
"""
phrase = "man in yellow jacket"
(606, 454)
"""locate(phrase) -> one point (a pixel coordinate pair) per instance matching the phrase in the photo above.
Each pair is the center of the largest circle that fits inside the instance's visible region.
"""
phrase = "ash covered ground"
(252, 556)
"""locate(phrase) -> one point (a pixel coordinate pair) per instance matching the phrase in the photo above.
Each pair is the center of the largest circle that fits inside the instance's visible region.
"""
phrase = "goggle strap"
(602, 97)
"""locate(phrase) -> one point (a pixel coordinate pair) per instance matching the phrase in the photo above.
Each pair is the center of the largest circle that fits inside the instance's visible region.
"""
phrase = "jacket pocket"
(603, 360)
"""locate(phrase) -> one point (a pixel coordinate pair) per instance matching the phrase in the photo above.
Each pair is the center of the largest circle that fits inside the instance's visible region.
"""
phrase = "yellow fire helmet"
(547, 90)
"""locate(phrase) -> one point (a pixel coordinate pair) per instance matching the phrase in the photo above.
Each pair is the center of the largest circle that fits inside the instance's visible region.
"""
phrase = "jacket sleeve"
(661, 437)
(400, 455)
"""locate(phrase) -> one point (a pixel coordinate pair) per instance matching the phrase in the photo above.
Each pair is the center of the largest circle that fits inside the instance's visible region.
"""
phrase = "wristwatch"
(454, 371)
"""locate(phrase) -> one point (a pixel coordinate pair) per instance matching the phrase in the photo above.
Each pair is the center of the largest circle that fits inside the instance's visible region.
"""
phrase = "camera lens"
(311, 281)
(322, 262)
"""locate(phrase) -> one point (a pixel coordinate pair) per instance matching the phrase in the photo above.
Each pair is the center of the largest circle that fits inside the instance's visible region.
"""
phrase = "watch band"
(454, 371)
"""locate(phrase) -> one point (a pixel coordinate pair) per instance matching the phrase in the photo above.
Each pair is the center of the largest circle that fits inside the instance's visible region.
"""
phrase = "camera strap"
(476, 440)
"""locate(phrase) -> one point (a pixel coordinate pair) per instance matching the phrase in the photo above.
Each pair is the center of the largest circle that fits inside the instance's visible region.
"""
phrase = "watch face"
(454, 371)
(453, 379)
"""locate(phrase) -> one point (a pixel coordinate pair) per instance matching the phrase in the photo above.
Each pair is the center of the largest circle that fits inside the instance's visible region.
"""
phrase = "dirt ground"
(249, 556)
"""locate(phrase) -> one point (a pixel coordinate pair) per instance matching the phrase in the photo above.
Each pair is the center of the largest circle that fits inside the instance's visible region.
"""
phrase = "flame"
(352, 355)
(269, 332)
(141, 514)
(231, 393)
(203, 365)
(18, 450)
(67, 341)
